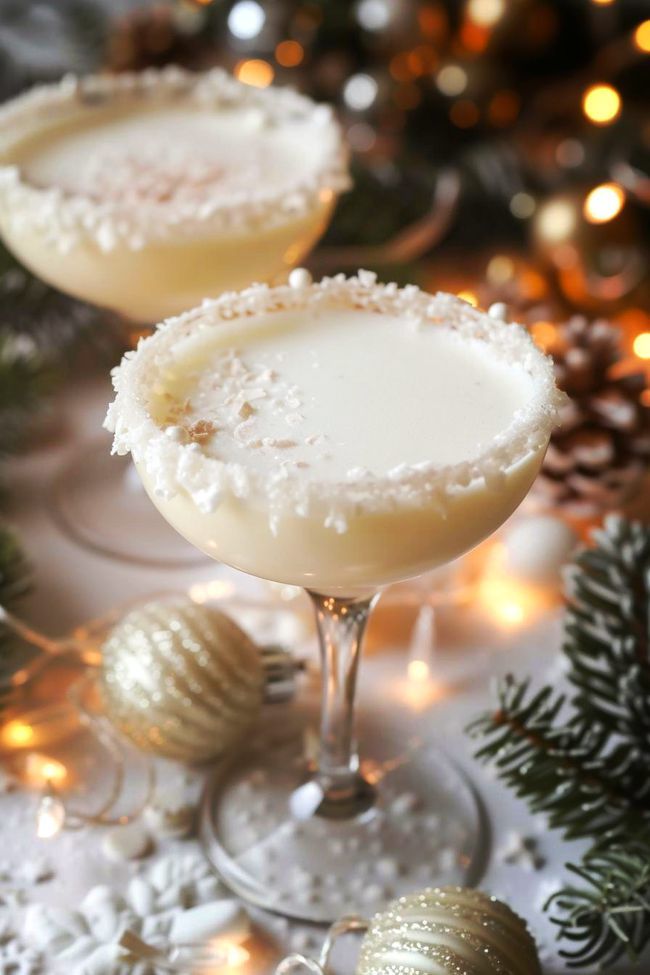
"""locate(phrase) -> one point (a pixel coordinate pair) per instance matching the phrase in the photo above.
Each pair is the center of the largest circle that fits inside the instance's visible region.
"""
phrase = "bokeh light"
(246, 19)
(641, 345)
(289, 54)
(486, 13)
(360, 92)
(601, 104)
(556, 220)
(452, 80)
(604, 203)
(255, 72)
(642, 37)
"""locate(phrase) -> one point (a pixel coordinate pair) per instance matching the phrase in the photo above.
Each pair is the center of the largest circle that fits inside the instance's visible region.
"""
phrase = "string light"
(374, 14)
(486, 13)
(508, 602)
(642, 37)
(41, 770)
(464, 113)
(17, 734)
(556, 220)
(418, 670)
(289, 54)
(522, 205)
(604, 203)
(255, 72)
(469, 296)
(641, 345)
(500, 269)
(360, 92)
(601, 104)
(452, 80)
(544, 335)
(246, 19)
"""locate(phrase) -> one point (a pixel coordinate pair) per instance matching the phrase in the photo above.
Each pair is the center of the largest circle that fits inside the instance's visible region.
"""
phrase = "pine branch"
(608, 915)
(583, 759)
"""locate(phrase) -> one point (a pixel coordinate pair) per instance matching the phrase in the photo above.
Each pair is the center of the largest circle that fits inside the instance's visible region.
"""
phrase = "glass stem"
(341, 623)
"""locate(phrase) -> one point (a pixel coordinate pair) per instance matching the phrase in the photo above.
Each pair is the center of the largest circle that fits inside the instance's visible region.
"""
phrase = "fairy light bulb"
(17, 734)
(41, 770)
(641, 345)
(601, 104)
(255, 72)
(642, 37)
(604, 203)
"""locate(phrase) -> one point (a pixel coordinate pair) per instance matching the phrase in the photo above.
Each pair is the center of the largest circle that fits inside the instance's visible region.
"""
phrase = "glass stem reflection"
(341, 623)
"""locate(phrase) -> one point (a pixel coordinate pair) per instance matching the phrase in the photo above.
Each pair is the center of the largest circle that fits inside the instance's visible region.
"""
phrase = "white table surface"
(72, 585)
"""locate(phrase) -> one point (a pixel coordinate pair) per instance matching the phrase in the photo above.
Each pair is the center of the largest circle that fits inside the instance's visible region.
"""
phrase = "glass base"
(99, 502)
(260, 831)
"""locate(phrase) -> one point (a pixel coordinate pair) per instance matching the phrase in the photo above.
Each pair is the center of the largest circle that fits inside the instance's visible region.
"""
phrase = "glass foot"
(261, 830)
(99, 501)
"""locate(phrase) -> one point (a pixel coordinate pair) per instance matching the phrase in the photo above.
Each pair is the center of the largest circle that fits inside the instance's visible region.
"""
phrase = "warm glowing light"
(601, 104)
(509, 602)
(544, 335)
(645, 397)
(464, 113)
(452, 80)
(473, 37)
(255, 72)
(41, 770)
(202, 592)
(510, 612)
(641, 345)
(418, 670)
(500, 269)
(504, 107)
(556, 220)
(469, 296)
(604, 203)
(642, 37)
(603, 3)
(17, 734)
(289, 54)
(522, 205)
(486, 12)
(50, 817)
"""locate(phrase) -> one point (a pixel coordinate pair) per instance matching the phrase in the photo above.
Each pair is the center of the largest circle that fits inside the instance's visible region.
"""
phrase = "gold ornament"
(448, 929)
(181, 679)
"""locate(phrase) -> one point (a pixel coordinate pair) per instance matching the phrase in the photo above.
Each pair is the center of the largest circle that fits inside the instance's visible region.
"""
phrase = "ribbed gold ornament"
(181, 679)
(453, 930)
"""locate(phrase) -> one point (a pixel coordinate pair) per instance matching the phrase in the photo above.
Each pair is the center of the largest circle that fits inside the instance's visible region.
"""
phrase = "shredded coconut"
(141, 198)
(173, 465)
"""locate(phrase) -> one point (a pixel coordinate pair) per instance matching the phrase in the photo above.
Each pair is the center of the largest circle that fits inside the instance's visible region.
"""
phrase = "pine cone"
(599, 454)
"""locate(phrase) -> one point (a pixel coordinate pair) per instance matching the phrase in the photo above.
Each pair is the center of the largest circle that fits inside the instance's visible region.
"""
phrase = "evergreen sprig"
(583, 758)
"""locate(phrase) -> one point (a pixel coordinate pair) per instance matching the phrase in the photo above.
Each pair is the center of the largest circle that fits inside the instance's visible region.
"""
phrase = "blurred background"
(501, 151)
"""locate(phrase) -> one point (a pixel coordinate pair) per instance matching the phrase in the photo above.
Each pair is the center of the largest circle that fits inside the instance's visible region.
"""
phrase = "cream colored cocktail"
(148, 192)
(337, 436)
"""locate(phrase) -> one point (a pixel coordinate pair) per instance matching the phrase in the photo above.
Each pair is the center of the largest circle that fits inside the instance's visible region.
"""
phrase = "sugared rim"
(66, 219)
(175, 467)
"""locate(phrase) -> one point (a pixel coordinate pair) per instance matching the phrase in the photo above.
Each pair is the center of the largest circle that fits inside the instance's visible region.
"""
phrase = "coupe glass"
(309, 828)
(64, 238)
